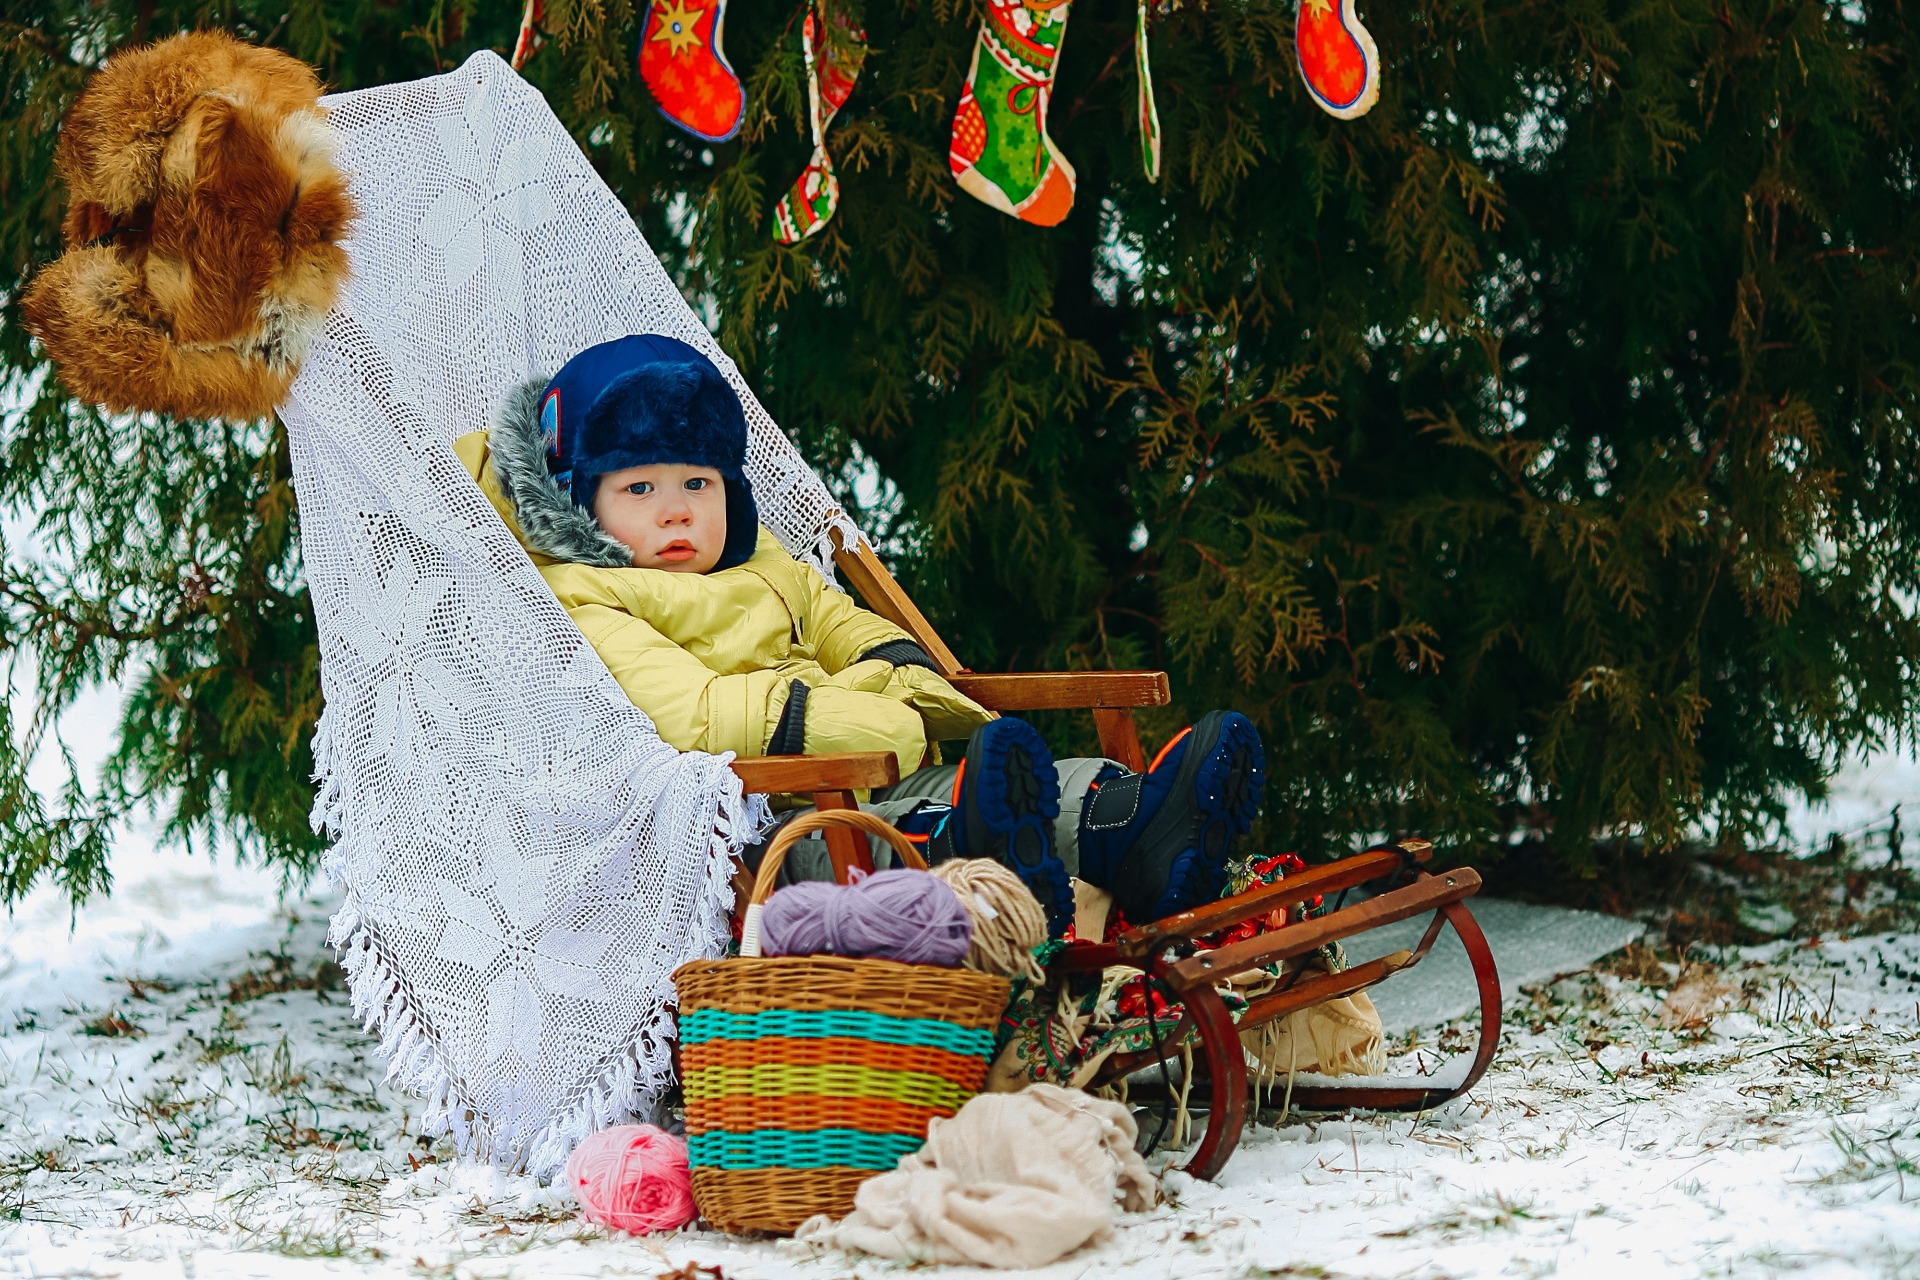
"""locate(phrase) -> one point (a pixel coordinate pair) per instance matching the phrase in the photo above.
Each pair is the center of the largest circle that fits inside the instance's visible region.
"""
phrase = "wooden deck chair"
(1163, 949)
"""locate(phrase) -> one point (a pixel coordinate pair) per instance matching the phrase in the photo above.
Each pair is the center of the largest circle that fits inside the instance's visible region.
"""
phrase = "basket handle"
(790, 835)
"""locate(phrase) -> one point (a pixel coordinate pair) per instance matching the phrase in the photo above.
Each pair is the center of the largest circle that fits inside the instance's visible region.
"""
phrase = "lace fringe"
(820, 553)
(329, 802)
(380, 998)
(631, 1082)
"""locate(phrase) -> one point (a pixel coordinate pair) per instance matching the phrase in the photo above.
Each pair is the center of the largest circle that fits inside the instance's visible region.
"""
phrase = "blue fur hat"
(642, 400)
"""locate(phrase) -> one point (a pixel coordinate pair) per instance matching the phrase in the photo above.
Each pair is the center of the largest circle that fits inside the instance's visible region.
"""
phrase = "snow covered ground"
(183, 1092)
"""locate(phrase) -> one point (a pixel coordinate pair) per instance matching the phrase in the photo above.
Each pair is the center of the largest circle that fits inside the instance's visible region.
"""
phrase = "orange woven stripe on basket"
(805, 1113)
(961, 1068)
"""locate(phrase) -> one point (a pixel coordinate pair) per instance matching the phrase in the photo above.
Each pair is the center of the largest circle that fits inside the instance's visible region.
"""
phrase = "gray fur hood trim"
(549, 521)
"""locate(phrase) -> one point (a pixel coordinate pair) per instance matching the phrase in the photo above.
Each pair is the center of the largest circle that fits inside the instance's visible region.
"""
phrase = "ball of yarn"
(1008, 921)
(633, 1178)
(891, 915)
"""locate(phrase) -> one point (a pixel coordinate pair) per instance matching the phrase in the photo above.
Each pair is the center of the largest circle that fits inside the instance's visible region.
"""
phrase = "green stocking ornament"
(1001, 154)
(1149, 115)
(835, 51)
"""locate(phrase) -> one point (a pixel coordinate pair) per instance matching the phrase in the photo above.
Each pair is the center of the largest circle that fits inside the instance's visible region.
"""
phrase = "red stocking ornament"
(835, 50)
(1338, 59)
(1001, 153)
(686, 70)
(530, 39)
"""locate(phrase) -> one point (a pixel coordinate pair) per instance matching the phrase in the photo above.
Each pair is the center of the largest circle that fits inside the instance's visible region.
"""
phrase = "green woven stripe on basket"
(784, 1149)
(697, 1026)
(830, 1080)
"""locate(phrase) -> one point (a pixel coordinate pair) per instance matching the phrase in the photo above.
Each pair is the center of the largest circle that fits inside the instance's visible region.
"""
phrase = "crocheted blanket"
(524, 860)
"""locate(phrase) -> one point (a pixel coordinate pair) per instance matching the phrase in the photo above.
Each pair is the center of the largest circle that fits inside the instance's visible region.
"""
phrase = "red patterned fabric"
(686, 70)
(1337, 57)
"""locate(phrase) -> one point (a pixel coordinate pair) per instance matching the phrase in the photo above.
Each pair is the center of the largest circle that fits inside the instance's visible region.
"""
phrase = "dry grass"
(111, 1024)
(280, 974)
(1722, 896)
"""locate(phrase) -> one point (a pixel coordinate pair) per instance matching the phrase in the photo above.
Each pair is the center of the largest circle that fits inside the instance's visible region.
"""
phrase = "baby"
(624, 480)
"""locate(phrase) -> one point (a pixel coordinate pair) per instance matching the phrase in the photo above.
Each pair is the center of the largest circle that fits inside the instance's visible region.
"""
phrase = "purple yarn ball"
(901, 915)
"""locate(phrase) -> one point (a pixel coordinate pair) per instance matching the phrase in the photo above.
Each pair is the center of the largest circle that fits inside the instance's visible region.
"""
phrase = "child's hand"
(870, 676)
(948, 712)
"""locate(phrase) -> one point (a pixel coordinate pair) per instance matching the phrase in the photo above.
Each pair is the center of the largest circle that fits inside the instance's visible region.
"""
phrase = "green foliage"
(1531, 455)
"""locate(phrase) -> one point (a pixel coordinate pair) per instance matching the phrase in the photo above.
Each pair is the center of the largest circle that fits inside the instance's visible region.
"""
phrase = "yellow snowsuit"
(710, 657)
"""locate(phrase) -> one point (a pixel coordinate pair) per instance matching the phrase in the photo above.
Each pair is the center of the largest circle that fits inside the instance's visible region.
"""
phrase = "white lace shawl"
(524, 860)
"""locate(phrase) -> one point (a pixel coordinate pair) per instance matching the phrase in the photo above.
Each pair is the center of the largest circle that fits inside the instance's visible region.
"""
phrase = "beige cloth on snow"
(1014, 1180)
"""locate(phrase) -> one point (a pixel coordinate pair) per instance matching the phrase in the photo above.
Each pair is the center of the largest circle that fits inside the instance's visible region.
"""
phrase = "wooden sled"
(1164, 949)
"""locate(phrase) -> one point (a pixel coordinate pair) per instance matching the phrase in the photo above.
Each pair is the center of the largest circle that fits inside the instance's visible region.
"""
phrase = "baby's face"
(672, 516)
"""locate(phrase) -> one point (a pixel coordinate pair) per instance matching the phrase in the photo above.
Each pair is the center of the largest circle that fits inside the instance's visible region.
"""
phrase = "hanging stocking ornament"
(686, 70)
(530, 38)
(1338, 59)
(1001, 154)
(1149, 116)
(835, 50)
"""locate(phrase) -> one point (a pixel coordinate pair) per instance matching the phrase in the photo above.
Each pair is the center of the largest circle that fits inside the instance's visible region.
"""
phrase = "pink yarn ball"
(633, 1178)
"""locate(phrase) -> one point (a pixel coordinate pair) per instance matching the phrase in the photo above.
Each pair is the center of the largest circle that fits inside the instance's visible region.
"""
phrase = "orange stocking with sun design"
(686, 70)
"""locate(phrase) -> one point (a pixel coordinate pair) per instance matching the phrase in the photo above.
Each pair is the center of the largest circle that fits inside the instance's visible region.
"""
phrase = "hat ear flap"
(743, 523)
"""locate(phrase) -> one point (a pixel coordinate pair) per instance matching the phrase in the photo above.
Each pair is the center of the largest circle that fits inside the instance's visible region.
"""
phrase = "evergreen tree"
(1531, 455)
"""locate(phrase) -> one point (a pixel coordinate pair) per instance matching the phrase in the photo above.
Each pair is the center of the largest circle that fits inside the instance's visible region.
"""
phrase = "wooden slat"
(1062, 690)
(865, 574)
(1119, 736)
(840, 771)
(1085, 957)
(1425, 894)
(847, 848)
(1321, 987)
(1330, 877)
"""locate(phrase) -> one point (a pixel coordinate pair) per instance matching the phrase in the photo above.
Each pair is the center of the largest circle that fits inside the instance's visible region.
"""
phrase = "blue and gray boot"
(1159, 841)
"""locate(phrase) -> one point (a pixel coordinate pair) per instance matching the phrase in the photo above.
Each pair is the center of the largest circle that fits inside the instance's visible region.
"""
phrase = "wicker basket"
(806, 1075)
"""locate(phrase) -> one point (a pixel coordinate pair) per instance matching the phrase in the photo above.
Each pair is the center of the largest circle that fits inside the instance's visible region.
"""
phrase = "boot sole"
(1179, 858)
(1012, 796)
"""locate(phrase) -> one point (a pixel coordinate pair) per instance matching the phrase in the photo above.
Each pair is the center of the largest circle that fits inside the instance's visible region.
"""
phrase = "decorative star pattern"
(407, 691)
(517, 960)
(677, 27)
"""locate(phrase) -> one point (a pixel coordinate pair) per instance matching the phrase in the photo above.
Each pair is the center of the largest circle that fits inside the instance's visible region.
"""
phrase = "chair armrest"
(1059, 690)
(838, 771)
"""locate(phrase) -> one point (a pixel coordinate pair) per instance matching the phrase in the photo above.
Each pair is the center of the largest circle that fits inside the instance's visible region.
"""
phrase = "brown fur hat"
(202, 230)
